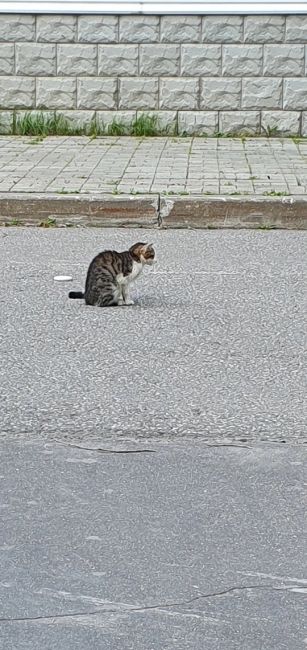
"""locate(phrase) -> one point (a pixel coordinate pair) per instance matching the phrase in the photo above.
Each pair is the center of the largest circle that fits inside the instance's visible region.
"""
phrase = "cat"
(110, 274)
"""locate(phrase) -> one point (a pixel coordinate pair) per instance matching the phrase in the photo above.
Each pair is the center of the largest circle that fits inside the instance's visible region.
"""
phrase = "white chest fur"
(136, 270)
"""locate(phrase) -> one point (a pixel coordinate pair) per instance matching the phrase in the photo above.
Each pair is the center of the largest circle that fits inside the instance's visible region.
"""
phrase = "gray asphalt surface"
(148, 501)
(185, 548)
(214, 348)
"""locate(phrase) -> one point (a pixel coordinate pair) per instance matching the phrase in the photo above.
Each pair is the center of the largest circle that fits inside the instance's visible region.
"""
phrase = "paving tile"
(193, 165)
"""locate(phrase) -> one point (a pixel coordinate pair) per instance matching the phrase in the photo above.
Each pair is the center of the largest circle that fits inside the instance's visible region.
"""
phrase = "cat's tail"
(77, 295)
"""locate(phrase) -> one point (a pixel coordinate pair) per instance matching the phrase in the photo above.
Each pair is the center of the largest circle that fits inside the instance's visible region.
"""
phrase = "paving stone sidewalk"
(126, 165)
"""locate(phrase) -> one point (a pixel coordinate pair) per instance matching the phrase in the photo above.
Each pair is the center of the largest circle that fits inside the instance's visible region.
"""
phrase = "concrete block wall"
(199, 74)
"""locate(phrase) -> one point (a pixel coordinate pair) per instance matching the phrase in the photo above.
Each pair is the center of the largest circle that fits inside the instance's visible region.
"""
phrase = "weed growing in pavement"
(266, 227)
(13, 222)
(68, 192)
(48, 223)
(299, 139)
(274, 193)
(271, 131)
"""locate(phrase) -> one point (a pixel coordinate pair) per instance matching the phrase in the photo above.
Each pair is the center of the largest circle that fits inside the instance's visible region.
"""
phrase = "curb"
(80, 210)
(154, 210)
(289, 212)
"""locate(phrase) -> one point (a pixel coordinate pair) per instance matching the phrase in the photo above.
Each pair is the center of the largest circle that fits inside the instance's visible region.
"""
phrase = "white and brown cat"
(110, 274)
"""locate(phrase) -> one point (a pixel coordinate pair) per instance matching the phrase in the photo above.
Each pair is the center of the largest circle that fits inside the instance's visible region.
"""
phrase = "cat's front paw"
(129, 302)
(120, 302)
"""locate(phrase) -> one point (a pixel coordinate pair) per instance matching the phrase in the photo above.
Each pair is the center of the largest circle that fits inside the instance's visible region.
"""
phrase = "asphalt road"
(186, 548)
(152, 463)
(213, 350)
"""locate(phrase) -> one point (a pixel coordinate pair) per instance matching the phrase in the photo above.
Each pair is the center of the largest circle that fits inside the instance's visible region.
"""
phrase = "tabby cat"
(110, 274)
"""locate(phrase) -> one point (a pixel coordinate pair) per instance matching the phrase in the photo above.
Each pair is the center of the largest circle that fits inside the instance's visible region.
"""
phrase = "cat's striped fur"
(110, 274)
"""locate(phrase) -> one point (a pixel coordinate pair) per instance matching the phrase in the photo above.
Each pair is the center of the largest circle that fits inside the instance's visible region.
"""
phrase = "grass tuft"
(274, 193)
(299, 139)
(145, 125)
(271, 131)
(13, 222)
(41, 125)
(118, 128)
(48, 223)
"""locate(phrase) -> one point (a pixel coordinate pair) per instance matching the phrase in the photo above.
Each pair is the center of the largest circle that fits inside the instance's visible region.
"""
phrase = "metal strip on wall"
(150, 7)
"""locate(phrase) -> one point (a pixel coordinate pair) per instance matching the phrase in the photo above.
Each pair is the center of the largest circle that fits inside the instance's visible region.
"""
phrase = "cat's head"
(143, 253)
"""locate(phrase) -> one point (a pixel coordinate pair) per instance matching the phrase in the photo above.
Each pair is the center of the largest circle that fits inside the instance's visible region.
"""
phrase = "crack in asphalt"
(141, 451)
(158, 606)
(110, 451)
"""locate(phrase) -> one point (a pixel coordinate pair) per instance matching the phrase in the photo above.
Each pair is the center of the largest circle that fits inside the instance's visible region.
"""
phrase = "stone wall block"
(36, 59)
(7, 58)
(117, 60)
(239, 122)
(220, 93)
(159, 60)
(98, 29)
(56, 93)
(197, 122)
(201, 60)
(295, 94)
(17, 92)
(283, 60)
(180, 29)
(77, 60)
(222, 29)
(304, 124)
(262, 93)
(285, 122)
(6, 122)
(139, 29)
(242, 60)
(97, 93)
(296, 29)
(106, 118)
(79, 119)
(56, 29)
(264, 29)
(16, 27)
(176, 94)
(138, 93)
